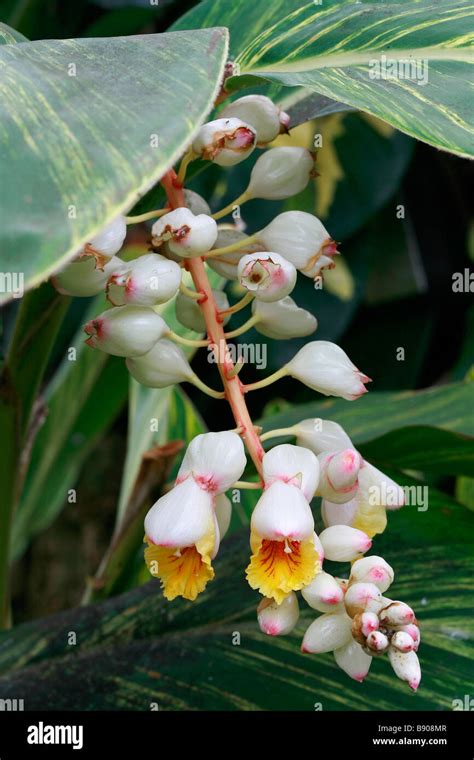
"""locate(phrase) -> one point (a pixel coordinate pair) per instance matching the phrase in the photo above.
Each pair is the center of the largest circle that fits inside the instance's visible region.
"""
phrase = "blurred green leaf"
(465, 491)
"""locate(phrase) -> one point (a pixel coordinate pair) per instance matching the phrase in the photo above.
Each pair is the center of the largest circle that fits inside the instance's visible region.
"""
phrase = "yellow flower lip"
(183, 571)
(278, 567)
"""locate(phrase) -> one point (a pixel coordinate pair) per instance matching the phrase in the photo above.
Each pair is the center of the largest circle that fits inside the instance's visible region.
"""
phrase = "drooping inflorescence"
(184, 528)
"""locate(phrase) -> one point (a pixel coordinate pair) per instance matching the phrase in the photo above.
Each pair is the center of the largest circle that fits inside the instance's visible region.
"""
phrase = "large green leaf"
(183, 655)
(79, 122)
(333, 48)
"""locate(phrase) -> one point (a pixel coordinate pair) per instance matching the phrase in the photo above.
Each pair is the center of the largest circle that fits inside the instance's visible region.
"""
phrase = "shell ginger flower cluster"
(185, 528)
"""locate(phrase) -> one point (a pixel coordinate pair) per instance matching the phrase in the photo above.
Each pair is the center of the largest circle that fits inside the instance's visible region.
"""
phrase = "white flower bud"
(283, 319)
(278, 619)
(344, 544)
(372, 569)
(109, 241)
(126, 330)
(364, 623)
(352, 659)
(187, 235)
(196, 203)
(377, 642)
(322, 435)
(226, 264)
(396, 614)
(267, 275)
(226, 141)
(280, 173)
(339, 475)
(261, 113)
(412, 631)
(302, 239)
(323, 593)
(326, 368)
(361, 597)
(327, 633)
(338, 514)
(223, 514)
(83, 277)
(380, 490)
(292, 464)
(164, 365)
(406, 666)
(402, 641)
(151, 279)
(189, 312)
(215, 460)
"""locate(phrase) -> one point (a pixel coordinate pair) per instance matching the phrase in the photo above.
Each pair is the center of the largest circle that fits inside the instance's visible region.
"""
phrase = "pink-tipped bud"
(402, 641)
(361, 597)
(342, 543)
(323, 593)
(413, 630)
(278, 619)
(225, 141)
(372, 570)
(326, 633)
(339, 475)
(406, 666)
(326, 368)
(268, 276)
(363, 624)
(352, 659)
(149, 280)
(396, 614)
(126, 330)
(377, 642)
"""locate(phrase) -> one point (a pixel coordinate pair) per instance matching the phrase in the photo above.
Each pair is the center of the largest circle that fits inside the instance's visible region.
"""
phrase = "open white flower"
(267, 275)
(326, 368)
(186, 234)
(126, 330)
(149, 280)
(283, 319)
(284, 557)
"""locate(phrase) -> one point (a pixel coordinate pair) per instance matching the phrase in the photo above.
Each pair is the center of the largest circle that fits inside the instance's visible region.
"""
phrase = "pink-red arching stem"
(215, 333)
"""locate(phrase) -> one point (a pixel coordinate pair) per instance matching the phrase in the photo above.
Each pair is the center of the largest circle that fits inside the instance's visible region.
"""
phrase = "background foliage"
(68, 425)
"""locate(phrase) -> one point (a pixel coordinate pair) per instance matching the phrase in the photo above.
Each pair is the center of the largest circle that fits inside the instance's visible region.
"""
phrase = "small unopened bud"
(187, 235)
(302, 239)
(259, 111)
(339, 475)
(126, 330)
(322, 435)
(146, 281)
(364, 623)
(280, 173)
(226, 264)
(283, 319)
(323, 593)
(268, 276)
(402, 641)
(326, 633)
(379, 489)
(225, 141)
(406, 666)
(372, 570)
(278, 619)
(361, 597)
(84, 278)
(344, 544)
(189, 312)
(326, 368)
(377, 642)
(164, 365)
(109, 241)
(397, 613)
(352, 659)
(412, 631)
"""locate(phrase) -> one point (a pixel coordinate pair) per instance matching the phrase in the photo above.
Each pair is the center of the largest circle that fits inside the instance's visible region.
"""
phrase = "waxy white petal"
(283, 319)
(109, 241)
(352, 659)
(302, 239)
(225, 141)
(280, 173)
(216, 460)
(339, 475)
(323, 593)
(182, 517)
(258, 111)
(223, 509)
(406, 667)
(126, 330)
(187, 234)
(267, 275)
(164, 365)
(322, 435)
(327, 633)
(344, 544)
(294, 464)
(278, 619)
(282, 512)
(361, 597)
(326, 368)
(83, 278)
(372, 569)
(149, 280)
